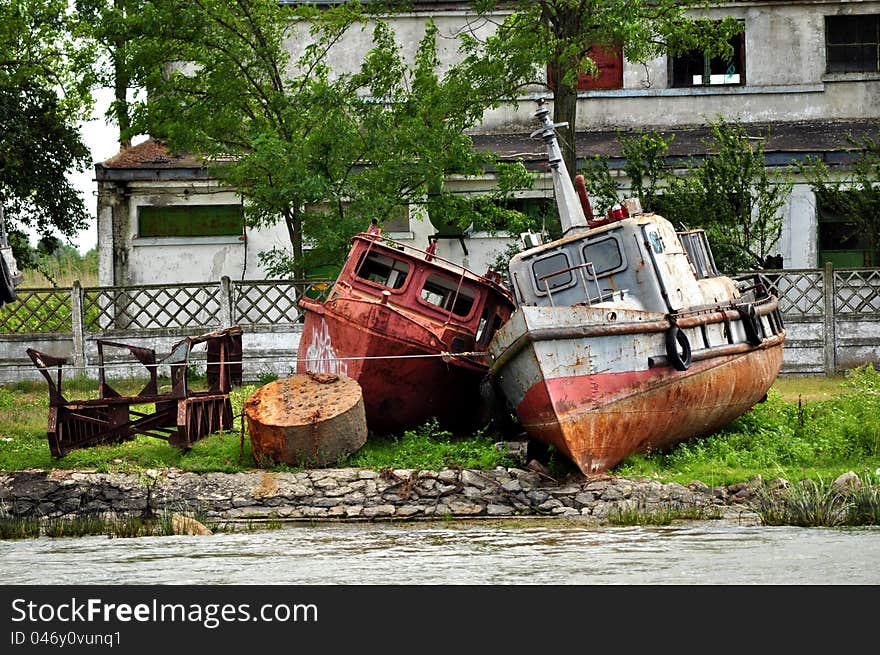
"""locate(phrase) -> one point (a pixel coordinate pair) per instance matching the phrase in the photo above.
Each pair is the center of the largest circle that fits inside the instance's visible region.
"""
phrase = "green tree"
(43, 95)
(320, 149)
(733, 196)
(566, 35)
(730, 192)
(855, 193)
(120, 62)
(644, 164)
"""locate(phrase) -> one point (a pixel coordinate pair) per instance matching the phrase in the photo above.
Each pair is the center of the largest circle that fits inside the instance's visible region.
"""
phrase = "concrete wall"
(785, 64)
(124, 258)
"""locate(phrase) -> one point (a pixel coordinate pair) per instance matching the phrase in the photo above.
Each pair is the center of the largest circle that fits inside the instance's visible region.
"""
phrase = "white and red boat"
(626, 338)
(412, 329)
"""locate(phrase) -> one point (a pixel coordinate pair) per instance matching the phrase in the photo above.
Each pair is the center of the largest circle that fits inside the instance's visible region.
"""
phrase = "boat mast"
(571, 213)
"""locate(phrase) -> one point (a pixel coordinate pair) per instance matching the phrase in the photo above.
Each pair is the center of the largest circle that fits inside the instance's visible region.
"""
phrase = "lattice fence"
(152, 307)
(269, 302)
(857, 292)
(38, 311)
(800, 292)
(817, 341)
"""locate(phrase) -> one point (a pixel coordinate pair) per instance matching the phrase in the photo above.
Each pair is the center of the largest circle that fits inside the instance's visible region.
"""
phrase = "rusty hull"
(601, 390)
(414, 361)
(395, 360)
(652, 413)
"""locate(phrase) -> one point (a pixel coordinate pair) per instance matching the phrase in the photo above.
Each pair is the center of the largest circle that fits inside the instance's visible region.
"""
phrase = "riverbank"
(365, 495)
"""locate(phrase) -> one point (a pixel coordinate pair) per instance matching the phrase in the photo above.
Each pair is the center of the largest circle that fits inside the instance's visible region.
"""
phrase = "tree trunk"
(565, 111)
(294, 232)
(564, 24)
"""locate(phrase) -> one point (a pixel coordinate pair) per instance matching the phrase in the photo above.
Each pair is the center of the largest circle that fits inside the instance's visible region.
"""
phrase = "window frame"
(149, 217)
(842, 68)
(606, 58)
(474, 295)
(363, 259)
(622, 255)
(537, 284)
(738, 60)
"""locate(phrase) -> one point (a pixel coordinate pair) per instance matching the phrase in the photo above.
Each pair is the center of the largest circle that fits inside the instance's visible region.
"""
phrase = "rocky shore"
(360, 495)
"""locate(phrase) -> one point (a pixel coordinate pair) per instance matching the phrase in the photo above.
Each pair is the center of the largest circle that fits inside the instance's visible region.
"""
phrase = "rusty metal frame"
(181, 416)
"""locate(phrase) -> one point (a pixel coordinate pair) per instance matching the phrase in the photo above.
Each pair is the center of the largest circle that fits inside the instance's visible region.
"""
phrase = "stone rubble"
(356, 494)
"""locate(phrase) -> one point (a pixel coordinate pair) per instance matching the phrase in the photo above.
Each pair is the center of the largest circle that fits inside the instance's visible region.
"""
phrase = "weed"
(18, 528)
(640, 513)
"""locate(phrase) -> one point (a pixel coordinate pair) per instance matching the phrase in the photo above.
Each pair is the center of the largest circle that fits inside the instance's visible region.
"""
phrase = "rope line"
(203, 362)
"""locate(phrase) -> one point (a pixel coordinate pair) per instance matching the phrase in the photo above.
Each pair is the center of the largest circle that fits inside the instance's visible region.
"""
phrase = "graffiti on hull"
(320, 356)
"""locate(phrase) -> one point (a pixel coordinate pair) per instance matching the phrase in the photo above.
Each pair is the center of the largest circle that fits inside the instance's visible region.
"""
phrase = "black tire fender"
(678, 348)
(7, 288)
(752, 325)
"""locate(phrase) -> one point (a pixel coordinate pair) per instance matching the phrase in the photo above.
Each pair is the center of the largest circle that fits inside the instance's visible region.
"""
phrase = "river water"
(453, 553)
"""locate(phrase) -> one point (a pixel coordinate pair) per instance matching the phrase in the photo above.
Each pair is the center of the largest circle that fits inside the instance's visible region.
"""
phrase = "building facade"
(807, 71)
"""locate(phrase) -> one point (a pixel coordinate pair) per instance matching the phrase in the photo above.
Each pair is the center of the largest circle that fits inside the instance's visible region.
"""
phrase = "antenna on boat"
(571, 212)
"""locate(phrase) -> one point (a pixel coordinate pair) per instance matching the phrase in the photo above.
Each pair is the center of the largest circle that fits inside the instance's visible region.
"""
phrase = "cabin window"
(490, 321)
(605, 255)
(553, 272)
(852, 44)
(697, 68)
(696, 245)
(383, 270)
(446, 294)
(190, 220)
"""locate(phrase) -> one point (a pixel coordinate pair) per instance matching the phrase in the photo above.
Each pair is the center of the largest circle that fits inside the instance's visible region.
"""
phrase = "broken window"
(852, 44)
(697, 68)
(696, 245)
(446, 294)
(490, 322)
(382, 270)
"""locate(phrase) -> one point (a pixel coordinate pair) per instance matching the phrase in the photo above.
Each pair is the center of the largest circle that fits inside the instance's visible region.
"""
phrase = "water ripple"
(453, 553)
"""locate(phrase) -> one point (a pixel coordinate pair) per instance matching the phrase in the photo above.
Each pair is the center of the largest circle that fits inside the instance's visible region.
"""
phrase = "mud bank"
(357, 494)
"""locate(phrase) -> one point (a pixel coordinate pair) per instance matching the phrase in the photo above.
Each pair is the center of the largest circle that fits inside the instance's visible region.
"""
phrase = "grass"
(809, 428)
(62, 268)
(641, 514)
(811, 388)
(783, 437)
(24, 411)
(812, 503)
(430, 448)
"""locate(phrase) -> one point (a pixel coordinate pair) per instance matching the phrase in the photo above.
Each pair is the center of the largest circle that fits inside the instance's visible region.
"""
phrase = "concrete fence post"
(830, 322)
(226, 314)
(77, 318)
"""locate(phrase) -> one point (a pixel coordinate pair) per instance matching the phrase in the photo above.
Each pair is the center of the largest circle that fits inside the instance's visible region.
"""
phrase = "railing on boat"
(600, 297)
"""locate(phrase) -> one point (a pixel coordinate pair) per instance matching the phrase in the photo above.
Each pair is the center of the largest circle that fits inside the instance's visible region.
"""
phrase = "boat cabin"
(635, 262)
(417, 283)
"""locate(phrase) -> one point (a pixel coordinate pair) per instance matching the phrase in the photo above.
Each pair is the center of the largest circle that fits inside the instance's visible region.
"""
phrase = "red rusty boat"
(626, 338)
(412, 329)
